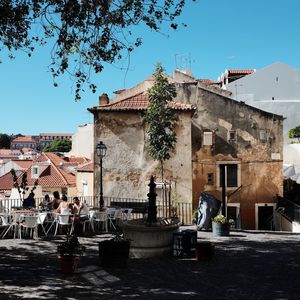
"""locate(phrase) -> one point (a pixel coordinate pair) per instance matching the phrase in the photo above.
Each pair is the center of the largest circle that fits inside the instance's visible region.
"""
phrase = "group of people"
(62, 206)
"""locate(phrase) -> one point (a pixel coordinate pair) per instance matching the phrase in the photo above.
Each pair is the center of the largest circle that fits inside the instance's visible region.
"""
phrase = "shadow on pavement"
(243, 267)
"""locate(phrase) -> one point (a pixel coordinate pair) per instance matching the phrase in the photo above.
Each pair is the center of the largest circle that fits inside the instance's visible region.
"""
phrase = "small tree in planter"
(69, 253)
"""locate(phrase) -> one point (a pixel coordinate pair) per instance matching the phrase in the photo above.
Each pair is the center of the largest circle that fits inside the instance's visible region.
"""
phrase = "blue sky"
(231, 34)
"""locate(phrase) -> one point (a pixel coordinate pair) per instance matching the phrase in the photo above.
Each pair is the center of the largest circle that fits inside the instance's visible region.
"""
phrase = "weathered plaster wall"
(260, 174)
(85, 178)
(127, 167)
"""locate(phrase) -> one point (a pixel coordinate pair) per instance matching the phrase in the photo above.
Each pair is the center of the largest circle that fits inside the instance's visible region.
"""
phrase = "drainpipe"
(223, 185)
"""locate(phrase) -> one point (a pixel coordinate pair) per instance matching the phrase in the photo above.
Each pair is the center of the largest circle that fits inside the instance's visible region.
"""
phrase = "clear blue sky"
(232, 34)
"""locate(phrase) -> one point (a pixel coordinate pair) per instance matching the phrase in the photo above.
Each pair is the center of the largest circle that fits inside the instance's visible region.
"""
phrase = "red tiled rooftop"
(240, 71)
(28, 139)
(89, 167)
(140, 102)
(10, 152)
(77, 160)
(6, 182)
(24, 164)
(56, 134)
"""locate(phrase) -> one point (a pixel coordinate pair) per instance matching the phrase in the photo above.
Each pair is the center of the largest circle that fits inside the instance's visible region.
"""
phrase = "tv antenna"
(183, 61)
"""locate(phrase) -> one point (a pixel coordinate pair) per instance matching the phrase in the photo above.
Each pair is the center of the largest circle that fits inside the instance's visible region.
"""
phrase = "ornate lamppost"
(101, 152)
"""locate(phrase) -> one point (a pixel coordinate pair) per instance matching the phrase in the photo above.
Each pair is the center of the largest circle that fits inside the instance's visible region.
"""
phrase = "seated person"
(63, 207)
(29, 202)
(81, 209)
(45, 203)
(55, 202)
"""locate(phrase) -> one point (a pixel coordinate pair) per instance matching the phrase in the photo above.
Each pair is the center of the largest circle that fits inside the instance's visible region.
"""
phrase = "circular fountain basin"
(150, 240)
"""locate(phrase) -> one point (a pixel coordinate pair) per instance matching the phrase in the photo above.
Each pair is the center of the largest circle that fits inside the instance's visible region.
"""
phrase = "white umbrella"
(288, 171)
(292, 172)
(296, 178)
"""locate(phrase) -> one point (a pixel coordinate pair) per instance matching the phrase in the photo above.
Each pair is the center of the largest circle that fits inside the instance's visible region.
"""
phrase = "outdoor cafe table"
(15, 217)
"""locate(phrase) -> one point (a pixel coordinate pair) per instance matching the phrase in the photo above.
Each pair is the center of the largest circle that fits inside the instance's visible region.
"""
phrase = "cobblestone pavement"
(246, 265)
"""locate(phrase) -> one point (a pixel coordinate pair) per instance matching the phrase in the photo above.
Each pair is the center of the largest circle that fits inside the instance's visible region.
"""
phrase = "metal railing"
(181, 210)
(289, 209)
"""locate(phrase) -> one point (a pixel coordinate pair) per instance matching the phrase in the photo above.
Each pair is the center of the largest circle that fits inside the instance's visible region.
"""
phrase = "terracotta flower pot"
(68, 263)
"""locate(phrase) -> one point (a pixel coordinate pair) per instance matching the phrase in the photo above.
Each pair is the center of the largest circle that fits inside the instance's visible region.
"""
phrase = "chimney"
(103, 99)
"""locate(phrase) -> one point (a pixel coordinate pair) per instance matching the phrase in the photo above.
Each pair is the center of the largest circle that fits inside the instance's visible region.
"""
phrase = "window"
(207, 138)
(210, 178)
(35, 172)
(231, 175)
(232, 135)
(263, 136)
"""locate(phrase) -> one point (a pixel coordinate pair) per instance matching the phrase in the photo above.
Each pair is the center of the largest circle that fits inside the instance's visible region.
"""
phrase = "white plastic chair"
(64, 221)
(127, 214)
(115, 217)
(99, 217)
(29, 223)
(41, 220)
(7, 224)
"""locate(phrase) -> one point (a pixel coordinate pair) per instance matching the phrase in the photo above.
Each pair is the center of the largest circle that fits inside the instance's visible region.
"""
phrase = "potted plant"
(221, 225)
(195, 216)
(114, 252)
(69, 253)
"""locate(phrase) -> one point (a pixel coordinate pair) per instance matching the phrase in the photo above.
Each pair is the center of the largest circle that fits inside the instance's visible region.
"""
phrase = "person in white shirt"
(64, 206)
(80, 208)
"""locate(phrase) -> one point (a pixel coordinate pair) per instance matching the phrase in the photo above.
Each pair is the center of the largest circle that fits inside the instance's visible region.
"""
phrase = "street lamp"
(101, 152)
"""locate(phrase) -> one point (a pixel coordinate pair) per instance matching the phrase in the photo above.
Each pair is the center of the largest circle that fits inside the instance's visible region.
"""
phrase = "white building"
(275, 88)
(83, 142)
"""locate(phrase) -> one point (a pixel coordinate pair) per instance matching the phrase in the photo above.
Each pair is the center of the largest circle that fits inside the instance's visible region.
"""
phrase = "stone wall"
(127, 166)
(259, 161)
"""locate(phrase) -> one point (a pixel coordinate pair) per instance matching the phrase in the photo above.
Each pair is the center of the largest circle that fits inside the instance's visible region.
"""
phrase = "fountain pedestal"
(149, 240)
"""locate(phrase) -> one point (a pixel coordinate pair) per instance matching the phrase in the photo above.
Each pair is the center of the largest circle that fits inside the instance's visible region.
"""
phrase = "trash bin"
(184, 243)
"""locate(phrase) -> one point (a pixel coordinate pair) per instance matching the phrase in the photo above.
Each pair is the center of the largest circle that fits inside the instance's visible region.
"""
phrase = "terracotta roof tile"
(77, 160)
(56, 134)
(24, 164)
(6, 182)
(51, 176)
(28, 139)
(240, 71)
(88, 167)
(139, 102)
(10, 152)
(53, 157)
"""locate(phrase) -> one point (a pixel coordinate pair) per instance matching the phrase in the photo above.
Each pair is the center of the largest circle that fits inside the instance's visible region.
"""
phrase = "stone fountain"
(153, 236)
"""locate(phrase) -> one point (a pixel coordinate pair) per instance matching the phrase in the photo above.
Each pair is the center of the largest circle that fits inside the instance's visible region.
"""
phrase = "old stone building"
(223, 138)
(127, 165)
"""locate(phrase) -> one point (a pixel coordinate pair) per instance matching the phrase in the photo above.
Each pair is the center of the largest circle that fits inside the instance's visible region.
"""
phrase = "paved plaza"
(246, 265)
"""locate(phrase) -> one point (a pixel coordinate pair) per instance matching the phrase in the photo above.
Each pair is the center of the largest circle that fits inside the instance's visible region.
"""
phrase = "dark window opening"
(210, 178)
(231, 174)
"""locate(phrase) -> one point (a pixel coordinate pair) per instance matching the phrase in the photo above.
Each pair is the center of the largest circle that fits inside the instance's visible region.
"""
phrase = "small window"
(210, 178)
(35, 172)
(232, 135)
(263, 136)
(207, 138)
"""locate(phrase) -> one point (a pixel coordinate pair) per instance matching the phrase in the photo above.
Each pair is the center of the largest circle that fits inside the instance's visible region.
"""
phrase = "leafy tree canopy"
(86, 33)
(294, 132)
(4, 141)
(160, 117)
(58, 145)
